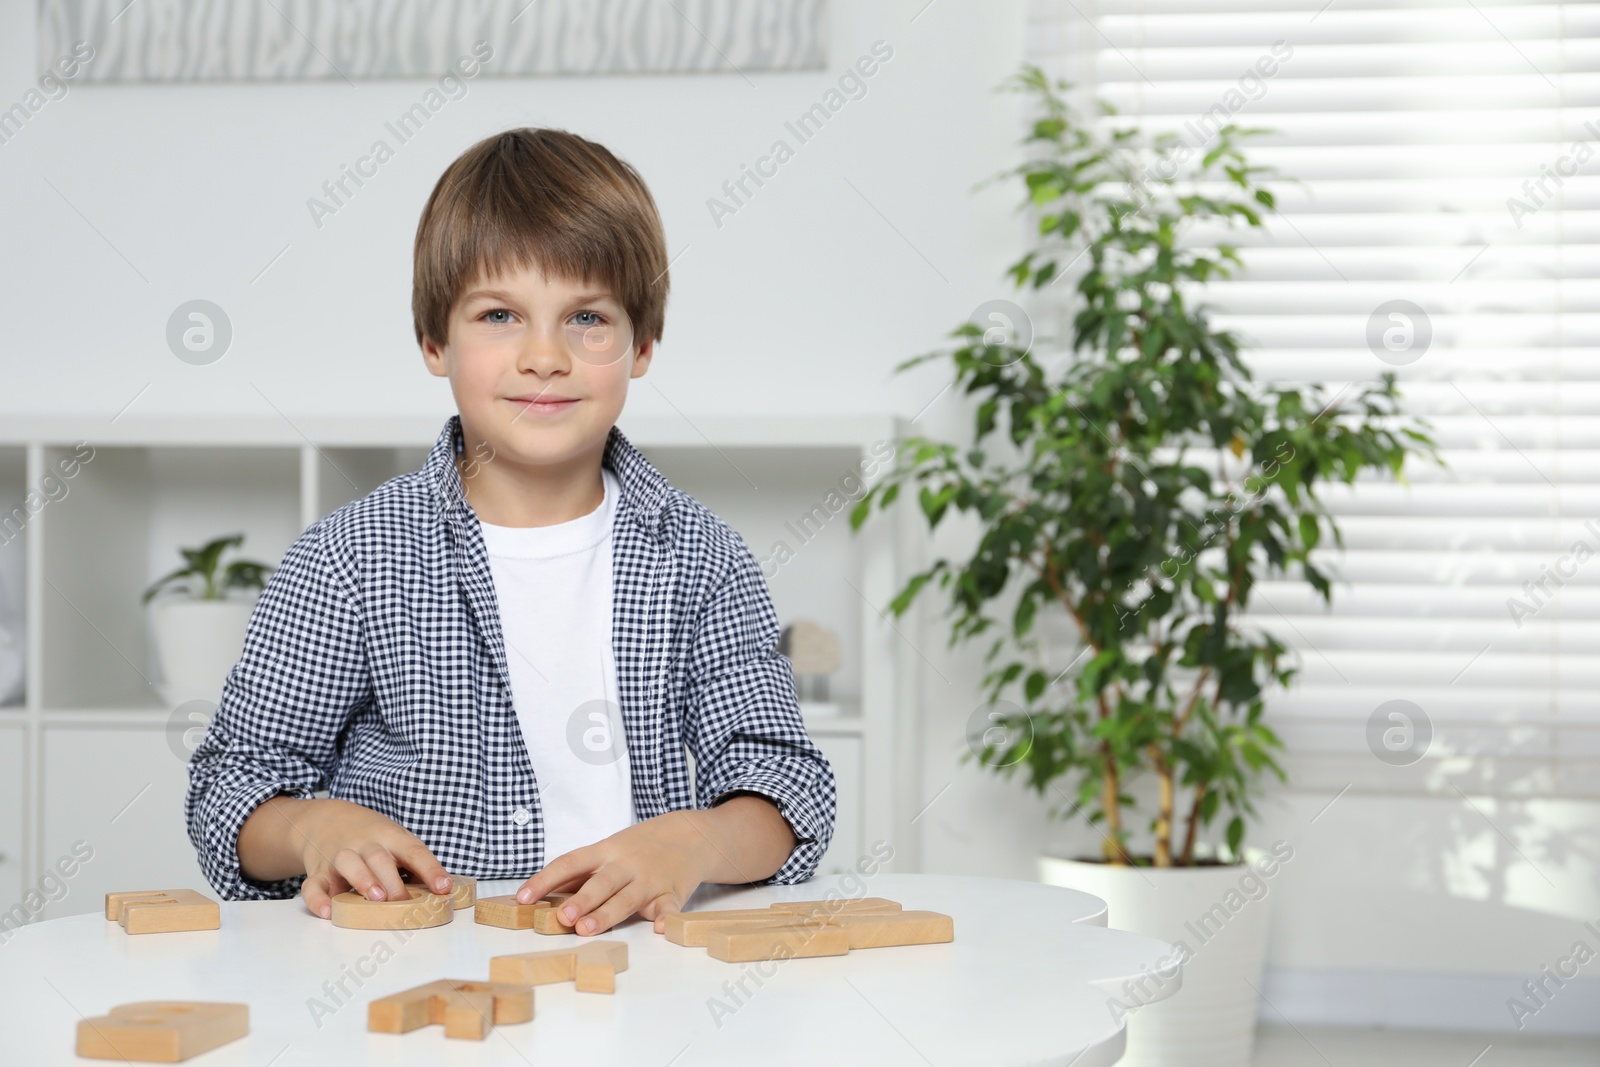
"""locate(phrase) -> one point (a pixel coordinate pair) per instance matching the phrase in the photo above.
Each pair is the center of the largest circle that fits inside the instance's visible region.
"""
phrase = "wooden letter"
(844, 905)
(422, 909)
(506, 912)
(594, 965)
(465, 1009)
(598, 964)
(548, 920)
(888, 929)
(800, 938)
(163, 911)
(535, 968)
(688, 928)
(161, 1031)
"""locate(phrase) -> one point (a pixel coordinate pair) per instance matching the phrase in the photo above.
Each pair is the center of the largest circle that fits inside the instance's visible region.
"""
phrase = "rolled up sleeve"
(301, 675)
(744, 723)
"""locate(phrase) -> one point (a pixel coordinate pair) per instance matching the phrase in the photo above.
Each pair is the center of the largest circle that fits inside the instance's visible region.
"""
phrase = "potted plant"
(1136, 485)
(198, 636)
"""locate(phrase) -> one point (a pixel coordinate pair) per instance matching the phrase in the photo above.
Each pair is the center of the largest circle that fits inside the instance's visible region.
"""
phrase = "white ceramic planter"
(1217, 917)
(197, 642)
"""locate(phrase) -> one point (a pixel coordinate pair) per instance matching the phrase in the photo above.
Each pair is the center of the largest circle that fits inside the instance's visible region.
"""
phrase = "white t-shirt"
(553, 585)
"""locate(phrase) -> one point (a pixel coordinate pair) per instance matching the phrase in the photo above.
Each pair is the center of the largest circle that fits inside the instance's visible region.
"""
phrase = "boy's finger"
(659, 907)
(383, 865)
(563, 870)
(609, 913)
(353, 869)
(601, 887)
(420, 862)
(314, 891)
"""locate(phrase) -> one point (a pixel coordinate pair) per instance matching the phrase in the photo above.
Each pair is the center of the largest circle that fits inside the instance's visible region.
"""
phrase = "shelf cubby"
(15, 516)
(119, 528)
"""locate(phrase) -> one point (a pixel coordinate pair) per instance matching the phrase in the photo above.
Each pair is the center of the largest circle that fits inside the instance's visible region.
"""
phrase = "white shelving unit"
(91, 754)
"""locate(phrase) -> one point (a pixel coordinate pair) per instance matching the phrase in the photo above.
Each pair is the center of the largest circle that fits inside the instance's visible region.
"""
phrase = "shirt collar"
(644, 489)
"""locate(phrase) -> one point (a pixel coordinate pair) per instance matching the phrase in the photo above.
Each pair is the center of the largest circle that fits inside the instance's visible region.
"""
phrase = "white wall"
(866, 248)
(798, 302)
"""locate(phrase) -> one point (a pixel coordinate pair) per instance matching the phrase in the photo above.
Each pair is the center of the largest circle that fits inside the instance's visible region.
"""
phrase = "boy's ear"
(433, 356)
(641, 359)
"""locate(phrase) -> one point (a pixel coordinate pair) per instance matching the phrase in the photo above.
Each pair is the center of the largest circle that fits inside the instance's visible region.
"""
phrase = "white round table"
(1029, 979)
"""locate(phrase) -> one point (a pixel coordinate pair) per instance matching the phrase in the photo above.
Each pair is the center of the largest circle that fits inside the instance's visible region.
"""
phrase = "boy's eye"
(580, 318)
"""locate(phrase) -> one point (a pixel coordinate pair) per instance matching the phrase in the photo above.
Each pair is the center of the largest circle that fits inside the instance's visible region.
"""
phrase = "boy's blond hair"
(544, 199)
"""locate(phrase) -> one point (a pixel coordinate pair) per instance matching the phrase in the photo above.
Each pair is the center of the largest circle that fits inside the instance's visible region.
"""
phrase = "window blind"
(1448, 229)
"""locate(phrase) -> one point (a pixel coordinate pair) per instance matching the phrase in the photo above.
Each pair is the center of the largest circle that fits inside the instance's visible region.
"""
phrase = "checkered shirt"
(374, 667)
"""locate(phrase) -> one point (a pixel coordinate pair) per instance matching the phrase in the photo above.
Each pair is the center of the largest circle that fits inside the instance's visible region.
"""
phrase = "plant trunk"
(1164, 821)
(1112, 847)
(1194, 824)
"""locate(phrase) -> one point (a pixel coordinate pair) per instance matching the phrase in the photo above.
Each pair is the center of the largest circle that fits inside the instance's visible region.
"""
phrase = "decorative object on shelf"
(1146, 484)
(13, 651)
(813, 650)
(198, 637)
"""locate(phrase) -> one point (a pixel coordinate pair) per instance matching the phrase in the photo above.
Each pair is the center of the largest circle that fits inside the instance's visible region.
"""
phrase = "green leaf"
(1235, 834)
(1309, 531)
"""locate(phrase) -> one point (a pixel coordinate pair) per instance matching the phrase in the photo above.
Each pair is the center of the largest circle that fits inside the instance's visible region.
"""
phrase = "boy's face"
(539, 366)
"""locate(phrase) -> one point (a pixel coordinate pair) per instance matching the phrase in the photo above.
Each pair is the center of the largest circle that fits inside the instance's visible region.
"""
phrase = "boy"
(494, 664)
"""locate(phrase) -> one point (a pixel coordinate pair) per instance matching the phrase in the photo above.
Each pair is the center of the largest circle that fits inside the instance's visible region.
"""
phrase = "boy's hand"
(651, 868)
(349, 846)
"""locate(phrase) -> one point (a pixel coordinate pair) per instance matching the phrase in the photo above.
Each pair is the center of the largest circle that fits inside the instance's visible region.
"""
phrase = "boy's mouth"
(541, 404)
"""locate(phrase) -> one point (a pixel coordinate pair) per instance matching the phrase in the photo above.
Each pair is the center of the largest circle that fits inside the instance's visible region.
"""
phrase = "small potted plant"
(1131, 489)
(199, 635)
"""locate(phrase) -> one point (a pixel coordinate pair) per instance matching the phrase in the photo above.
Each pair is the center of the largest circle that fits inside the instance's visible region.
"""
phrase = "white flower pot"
(1217, 918)
(197, 642)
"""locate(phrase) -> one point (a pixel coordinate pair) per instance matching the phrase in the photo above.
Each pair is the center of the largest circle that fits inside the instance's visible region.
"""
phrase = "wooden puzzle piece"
(463, 888)
(535, 968)
(508, 913)
(688, 928)
(801, 928)
(890, 929)
(836, 907)
(795, 938)
(160, 911)
(548, 920)
(598, 964)
(468, 1013)
(465, 1009)
(422, 910)
(593, 965)
(161, 1031)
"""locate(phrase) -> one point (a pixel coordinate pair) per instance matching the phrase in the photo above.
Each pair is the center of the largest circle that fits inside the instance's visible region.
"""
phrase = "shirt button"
(521, 816)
